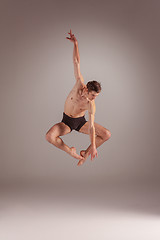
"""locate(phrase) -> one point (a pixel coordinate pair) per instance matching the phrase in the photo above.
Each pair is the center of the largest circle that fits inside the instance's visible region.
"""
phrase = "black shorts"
(73, 123)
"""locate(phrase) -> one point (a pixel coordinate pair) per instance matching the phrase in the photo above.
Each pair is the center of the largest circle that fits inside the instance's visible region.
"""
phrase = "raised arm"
(76, 61)
(76, 58)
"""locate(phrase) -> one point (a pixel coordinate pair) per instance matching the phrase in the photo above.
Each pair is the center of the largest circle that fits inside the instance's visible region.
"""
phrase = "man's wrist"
(93, 145)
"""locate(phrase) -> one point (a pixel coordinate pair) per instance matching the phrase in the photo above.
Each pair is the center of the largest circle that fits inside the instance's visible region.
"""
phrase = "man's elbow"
(76, 60)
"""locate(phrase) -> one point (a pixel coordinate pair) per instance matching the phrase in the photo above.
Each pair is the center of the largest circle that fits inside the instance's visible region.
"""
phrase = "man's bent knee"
(107, 134)
(50, 137)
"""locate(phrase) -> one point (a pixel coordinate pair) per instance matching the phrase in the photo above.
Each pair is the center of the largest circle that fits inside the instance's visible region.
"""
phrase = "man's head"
(94, 88)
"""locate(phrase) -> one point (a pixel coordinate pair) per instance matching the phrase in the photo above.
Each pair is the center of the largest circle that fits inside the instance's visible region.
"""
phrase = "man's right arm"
(76, 52)
(76, 62)
(76, 58)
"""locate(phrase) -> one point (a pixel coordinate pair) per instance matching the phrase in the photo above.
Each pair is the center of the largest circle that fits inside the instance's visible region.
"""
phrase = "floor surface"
(93, 212)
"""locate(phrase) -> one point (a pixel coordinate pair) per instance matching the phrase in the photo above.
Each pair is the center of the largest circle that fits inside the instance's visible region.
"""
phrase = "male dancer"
(80, 99)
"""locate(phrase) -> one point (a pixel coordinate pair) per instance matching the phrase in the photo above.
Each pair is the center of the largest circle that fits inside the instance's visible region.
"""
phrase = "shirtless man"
(80, 99)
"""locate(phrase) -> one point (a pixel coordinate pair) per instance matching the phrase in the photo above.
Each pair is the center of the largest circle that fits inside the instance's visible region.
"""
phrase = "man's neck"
(84, 93)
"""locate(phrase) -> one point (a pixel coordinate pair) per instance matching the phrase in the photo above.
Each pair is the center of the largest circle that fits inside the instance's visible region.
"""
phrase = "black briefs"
(73, 123)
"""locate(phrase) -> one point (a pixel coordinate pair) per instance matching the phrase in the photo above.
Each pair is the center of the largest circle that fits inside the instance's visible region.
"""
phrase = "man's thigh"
(99, 130)
(59, 129)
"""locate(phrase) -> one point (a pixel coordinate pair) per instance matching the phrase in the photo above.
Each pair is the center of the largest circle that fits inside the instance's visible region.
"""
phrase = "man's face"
(92, 95)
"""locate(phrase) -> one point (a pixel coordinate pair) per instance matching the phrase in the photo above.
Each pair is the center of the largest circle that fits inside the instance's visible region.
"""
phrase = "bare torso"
(76, 104)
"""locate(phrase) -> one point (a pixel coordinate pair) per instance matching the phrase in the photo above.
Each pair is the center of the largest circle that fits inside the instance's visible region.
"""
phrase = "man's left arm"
(91, 111)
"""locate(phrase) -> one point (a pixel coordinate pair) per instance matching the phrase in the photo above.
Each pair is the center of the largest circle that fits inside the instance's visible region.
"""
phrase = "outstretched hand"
(93, 152)
(72, 38)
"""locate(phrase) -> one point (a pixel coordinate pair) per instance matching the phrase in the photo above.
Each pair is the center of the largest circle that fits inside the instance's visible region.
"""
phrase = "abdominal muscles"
(74, 107)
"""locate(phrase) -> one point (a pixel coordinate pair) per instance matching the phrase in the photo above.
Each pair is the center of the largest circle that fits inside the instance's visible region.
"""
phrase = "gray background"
(43, 194)
(119, 47)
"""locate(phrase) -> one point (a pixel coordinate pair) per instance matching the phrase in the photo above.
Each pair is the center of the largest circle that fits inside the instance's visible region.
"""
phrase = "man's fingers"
(70, 32)
(69, 39)
(92, 156)
(71, 35)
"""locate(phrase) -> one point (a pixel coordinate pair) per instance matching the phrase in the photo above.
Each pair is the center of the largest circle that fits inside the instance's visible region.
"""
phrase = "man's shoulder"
(91, 107)
(78, 87)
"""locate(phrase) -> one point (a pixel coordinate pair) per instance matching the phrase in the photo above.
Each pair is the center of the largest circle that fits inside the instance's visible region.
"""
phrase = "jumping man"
(80, 99)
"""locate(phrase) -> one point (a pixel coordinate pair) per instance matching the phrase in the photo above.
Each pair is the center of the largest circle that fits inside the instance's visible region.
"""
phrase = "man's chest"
(80, 102)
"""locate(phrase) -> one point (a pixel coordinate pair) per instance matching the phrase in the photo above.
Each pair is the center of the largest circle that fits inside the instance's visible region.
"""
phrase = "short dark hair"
(93, 86)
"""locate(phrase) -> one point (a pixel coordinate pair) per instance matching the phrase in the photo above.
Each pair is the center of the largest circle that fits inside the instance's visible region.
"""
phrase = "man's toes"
(81, 162)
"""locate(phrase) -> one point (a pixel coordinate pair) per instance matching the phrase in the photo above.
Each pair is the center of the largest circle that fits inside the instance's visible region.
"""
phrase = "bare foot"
(74, 154)
(80, 162)
(84, 155)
